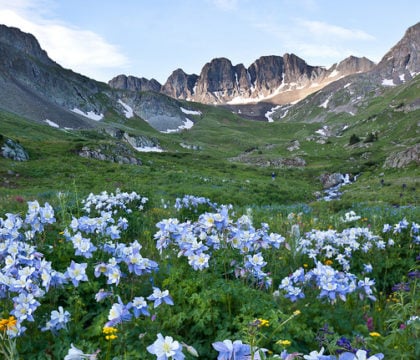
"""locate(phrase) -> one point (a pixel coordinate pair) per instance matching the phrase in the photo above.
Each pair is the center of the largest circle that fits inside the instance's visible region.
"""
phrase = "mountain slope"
(402, 62)
(350, 94)
(34, 86)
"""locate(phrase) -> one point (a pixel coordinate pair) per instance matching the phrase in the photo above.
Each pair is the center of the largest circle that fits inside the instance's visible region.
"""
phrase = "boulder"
(403, 158)
(14, 151)
(294, 145)
(331, 180)
(117, 154)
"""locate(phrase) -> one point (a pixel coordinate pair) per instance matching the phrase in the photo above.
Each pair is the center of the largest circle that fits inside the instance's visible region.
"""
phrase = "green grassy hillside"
(233, 158)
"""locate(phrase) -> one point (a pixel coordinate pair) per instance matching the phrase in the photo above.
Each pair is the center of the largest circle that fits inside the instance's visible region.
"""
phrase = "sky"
(151, 38)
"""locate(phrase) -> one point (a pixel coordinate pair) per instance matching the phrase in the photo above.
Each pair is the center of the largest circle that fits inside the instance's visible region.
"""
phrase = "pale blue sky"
(151, 38)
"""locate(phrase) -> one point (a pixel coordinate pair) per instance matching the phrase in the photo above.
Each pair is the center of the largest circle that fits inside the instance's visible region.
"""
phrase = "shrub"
(354, 139)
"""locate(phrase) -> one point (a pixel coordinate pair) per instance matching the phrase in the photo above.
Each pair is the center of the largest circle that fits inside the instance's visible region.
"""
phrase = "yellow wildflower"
(8, 324)
(374, 334)
(328, 262)
(263, 322)
(284, 343)
(111, 337)
(296, 312)
(110, 332)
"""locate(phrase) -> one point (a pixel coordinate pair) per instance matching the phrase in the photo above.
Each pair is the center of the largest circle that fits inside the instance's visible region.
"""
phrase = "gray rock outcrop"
(331, 180)
(403, 60)
(136, 141)
(118, 153)
(180, 85)
(133, 83)
(403, 158)
(13, 150)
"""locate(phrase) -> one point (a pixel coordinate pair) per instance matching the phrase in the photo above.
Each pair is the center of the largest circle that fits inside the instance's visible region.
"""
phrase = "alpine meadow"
(261, 212)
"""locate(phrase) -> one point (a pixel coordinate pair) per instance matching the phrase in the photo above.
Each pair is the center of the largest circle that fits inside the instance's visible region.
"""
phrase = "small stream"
(334, 193)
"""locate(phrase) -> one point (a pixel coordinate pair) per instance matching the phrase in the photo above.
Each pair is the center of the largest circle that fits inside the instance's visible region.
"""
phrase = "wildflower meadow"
(119, 276)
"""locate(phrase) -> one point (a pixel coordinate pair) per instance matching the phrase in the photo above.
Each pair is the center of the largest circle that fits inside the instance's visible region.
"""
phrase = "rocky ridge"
(276, 79)
(35, 87)
(347, 95)
(402, 62)
(133, 83)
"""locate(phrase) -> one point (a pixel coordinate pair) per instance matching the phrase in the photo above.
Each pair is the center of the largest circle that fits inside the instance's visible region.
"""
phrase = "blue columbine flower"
(118, 313)
(159, 296)
(166, 348)
(58, 320)
(229, 350)
(140, 307)
(76, 273)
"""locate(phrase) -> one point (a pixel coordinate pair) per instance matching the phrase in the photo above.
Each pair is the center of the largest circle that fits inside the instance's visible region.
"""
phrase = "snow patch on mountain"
(388, 82)
(90, 114)
(190, 112)
(325, 103)
(128, 110)
(188, 124)
(149, 149)
(52, 123)
(269, 113)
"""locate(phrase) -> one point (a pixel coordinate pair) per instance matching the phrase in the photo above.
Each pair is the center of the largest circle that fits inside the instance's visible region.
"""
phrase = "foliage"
(91, 273)
(277, 272)
(354, 139)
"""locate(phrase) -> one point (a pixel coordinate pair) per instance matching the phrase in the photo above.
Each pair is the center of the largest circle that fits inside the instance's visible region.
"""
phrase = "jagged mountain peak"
(273, 78)
(402, 61)
(354, 64)
(23, 42)
(133, 83)
(348, 95)
(38, 89)
(180, 84)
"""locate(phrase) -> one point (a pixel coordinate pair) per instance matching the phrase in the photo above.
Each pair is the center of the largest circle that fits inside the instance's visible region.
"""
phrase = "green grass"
(219, 135)
(210, 305)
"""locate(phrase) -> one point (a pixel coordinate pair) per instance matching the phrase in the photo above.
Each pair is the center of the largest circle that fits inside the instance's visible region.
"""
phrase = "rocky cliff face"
(133, 83)
(266, 79)
(298, 72)
(35, 87)
(265, 75)
(402, 62)
(346, 95)
(23, 42)
(353, 65)
(218, 80)
(180, 85)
